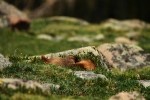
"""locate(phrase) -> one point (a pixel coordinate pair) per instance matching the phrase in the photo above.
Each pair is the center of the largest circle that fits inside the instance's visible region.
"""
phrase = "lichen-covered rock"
(78, 51)
(127, 96)
(15, 84)
(123, 56)
(4, 62)
(89, 75)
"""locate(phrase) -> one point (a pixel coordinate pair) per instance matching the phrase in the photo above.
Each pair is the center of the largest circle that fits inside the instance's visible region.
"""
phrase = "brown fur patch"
(69, 61)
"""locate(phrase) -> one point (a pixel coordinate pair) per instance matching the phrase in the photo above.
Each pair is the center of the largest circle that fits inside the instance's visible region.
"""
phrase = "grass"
(18, 44)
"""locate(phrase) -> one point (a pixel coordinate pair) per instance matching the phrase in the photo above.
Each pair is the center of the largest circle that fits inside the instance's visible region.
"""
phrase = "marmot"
(69, 61)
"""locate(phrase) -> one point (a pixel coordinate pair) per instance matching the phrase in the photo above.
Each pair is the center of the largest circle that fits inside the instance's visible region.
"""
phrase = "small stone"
(80, 39)
(4, 62)
(145, 83)
(50, 86)
(89, 75)
(99, 37)
(44, 37)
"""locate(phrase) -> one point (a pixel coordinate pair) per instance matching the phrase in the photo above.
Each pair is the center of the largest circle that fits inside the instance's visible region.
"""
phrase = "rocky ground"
(118, 50)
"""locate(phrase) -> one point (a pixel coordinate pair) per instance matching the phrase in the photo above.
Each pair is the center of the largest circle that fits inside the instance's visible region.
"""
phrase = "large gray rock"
(123, 56)
(4, 62)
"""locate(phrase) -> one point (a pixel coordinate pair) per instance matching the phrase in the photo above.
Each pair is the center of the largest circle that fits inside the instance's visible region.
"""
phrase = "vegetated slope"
(19, 45)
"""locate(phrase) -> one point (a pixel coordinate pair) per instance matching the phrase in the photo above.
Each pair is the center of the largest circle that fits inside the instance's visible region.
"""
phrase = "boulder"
(123, 56)
(78, 51)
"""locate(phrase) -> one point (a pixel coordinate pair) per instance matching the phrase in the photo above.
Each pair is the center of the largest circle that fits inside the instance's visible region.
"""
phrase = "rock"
(124, 40)
(89, 75)
(124, 25)
(127, 96)
(44, 37)
(135, 24)
(86, 38)
(15, 84)
(114, 24)
(4, 62)
(99, 37)
(123, 56)
(80, 39)
(49, 37)
(50, 86)
(133, 35)
(69, 20)
(145, 83)
(3, 21)
(16, 19)
(78, 51)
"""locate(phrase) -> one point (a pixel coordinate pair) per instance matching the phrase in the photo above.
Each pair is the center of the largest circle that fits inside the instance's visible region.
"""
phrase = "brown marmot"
(69, 61)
